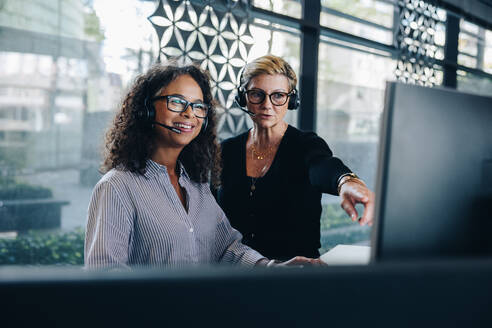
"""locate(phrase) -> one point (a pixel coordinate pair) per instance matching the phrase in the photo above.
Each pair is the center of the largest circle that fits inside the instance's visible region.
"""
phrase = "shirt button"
(191, 229)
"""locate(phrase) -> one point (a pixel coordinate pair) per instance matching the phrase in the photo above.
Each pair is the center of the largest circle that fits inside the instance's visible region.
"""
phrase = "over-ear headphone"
(147, 114)
(241, 96)
(294, 100)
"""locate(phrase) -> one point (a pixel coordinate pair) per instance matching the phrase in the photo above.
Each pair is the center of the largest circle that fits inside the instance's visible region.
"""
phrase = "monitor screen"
(434, 188)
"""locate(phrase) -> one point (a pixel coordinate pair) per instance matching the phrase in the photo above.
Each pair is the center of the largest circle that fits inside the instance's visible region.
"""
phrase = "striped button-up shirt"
(139, 220)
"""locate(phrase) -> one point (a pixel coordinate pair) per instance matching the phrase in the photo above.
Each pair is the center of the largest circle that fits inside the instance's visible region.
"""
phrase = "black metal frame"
(311, 32)
(308, 80)
(451, 51)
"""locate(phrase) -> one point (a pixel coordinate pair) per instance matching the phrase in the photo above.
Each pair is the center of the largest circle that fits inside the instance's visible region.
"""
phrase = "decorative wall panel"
(214, 34)
(416, 40)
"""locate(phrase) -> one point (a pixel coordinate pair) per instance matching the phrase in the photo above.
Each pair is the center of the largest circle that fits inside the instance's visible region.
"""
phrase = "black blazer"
(282, 217)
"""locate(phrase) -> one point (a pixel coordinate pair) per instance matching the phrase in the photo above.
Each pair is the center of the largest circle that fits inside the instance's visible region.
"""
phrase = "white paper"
(347, 255)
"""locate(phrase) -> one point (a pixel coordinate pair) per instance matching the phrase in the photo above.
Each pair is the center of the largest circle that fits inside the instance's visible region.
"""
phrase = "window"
(350, 100)
(475, 46)
(370, 19)
(67, 63)
(57, 99)
(65, 67)
(475, 52)
(487, 56)
(285, 7)
(470, 44)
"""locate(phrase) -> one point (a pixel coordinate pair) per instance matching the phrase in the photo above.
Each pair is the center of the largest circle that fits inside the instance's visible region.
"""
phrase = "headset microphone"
(240, 100)
(248, 112)
(148, 115)
(176, 130)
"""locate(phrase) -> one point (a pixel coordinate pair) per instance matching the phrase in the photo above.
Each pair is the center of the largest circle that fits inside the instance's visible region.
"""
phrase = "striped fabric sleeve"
(229, 247)
(108, 230)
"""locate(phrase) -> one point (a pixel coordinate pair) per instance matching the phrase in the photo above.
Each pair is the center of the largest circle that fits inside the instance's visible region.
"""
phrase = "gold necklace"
(253, 180)
(261, 156)
(255, 154)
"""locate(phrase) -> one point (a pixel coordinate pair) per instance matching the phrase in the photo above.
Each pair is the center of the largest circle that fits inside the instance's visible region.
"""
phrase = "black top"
(281, 218)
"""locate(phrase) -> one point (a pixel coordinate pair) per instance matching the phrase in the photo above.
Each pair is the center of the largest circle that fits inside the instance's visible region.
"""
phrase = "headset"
(241, 98)
(147, 115)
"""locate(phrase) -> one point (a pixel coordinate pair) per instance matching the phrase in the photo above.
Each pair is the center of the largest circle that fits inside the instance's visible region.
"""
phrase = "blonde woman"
(274, 174)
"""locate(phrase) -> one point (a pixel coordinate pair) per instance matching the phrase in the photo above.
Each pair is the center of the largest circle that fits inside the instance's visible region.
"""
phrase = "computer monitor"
(434, 180)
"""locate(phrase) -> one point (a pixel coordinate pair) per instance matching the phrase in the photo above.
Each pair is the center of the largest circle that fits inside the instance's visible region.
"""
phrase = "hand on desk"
(353, 192)
(300, 261)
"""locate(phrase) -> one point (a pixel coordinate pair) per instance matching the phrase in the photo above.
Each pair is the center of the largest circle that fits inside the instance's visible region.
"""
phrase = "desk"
(414, 294)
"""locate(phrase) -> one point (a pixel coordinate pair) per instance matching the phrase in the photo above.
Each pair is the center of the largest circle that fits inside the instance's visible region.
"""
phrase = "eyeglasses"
(178, 105)
(256, 96)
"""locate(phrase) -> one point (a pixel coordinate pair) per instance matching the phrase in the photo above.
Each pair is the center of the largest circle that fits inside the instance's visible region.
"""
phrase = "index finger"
(368, 214)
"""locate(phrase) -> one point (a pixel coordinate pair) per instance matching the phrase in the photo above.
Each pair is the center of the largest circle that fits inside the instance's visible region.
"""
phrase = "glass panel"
(474, 46)
(469, 27)
(487, 57)
(351, 87)
(473, 83)
(378, 12)
(338, 15)
(285, 7)
(285, 43)
(65, 66)
(43, 17)
(468, 61)
(467, 44)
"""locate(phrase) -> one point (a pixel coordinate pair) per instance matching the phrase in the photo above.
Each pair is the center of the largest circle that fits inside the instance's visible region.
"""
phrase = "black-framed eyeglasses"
(278, 98)
(178, 104)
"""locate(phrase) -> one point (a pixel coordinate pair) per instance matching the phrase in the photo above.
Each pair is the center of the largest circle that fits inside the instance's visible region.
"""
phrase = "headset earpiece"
(147, 114)
(204, 125)
(241, 92)
(241, 97)
(293, 100)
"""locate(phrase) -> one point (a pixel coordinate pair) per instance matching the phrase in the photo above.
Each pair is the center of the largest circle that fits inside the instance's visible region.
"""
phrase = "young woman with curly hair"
(153, 206)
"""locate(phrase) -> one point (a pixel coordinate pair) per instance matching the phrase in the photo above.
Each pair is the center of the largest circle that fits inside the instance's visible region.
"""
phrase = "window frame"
(311, 32)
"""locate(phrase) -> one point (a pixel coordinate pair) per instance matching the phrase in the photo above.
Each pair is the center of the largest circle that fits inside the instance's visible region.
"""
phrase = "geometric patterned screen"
(214, 34)
(416, 41)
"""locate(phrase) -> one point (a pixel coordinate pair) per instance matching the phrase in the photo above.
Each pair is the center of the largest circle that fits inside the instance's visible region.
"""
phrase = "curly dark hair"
(130, 140)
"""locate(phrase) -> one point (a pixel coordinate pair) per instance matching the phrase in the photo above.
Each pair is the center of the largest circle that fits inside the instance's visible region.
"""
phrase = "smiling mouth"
(184, 127)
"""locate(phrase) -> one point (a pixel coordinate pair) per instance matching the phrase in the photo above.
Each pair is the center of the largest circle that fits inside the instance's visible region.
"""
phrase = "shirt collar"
(153, 168)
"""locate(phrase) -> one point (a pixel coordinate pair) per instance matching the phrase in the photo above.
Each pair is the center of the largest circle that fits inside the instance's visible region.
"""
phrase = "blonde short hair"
(270, 65)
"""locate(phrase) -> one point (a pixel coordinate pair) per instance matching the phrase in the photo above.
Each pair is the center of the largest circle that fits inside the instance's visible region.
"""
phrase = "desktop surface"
(417, 294)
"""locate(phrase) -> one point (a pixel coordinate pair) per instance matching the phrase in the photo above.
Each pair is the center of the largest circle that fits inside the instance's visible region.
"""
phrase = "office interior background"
(65, 66)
